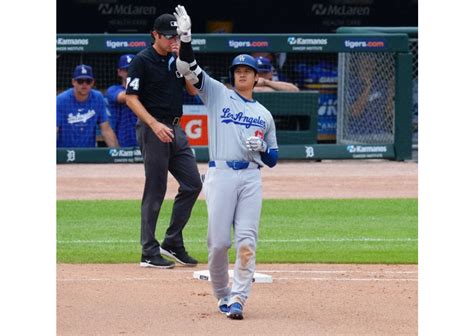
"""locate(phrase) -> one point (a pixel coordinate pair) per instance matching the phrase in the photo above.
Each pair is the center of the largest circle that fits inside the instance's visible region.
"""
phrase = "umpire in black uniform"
(155, 94)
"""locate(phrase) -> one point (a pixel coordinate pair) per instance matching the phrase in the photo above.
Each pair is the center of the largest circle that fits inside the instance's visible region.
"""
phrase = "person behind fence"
(272, 58)
(265, 78)
(123, 120)
(242, 139)
(371, 99)
(78, 112)
(155, 94)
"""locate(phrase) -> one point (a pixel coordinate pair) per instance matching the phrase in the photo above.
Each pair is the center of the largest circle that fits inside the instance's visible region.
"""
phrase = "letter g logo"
(194, 129)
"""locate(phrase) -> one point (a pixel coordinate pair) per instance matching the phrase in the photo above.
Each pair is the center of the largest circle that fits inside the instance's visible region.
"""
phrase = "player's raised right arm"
(186, 62)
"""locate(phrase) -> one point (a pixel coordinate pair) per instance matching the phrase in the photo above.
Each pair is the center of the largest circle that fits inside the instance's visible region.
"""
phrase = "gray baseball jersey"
(233, 197)
(231, 120)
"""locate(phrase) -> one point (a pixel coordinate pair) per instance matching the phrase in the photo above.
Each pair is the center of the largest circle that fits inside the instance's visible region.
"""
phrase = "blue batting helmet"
(242, 59)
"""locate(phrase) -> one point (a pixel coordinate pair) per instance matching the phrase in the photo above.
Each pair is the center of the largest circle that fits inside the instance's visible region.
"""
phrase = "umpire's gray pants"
(159, 158)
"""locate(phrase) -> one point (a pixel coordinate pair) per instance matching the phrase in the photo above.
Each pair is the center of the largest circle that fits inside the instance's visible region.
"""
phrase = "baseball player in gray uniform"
(242, 139)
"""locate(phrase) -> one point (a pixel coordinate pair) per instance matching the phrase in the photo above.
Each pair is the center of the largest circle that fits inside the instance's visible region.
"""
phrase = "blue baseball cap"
(83, 71)
(125, 60)
(263, 64)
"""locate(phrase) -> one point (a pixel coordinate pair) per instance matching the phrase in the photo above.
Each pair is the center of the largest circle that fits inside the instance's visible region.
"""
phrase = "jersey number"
(133, 83)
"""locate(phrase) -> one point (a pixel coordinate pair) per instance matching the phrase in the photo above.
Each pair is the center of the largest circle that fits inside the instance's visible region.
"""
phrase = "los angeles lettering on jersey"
(240, 119)
(72, 119)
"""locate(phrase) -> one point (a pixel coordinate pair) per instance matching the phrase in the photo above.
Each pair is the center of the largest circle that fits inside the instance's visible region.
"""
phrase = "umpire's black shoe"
(179, 254)
(156, 261)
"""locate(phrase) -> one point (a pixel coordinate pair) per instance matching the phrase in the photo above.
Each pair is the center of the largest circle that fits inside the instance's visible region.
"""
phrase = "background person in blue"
(266, 83)
(122, 119)
(371, 99)
(78, 112)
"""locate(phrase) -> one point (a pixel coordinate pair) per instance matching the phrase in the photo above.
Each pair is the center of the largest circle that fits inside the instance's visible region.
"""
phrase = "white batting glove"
(184, 68)
(184, 23)
(256, 144)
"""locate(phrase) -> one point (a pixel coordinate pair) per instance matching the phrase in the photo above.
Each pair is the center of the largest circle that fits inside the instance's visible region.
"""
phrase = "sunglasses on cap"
(81, 81)
(169, 36)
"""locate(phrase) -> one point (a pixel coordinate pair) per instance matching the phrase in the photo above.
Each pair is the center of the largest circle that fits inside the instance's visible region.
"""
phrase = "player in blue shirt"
(78, 112)
(122, 120)
(267, 82)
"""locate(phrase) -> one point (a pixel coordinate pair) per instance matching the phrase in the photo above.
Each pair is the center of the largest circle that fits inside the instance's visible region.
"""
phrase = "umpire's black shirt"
(154, 79)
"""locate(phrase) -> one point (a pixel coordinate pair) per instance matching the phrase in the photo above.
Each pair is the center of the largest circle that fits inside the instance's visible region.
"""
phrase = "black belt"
(170, 120)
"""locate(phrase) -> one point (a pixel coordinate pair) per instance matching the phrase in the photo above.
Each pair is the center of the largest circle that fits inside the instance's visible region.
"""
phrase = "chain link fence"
(413, 44)
(350, 127)
(366, 93)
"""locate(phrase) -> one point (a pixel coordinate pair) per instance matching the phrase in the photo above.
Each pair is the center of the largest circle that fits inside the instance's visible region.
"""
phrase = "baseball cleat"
(223, 305)
(179, 254)
(156, 262)
(235, 311)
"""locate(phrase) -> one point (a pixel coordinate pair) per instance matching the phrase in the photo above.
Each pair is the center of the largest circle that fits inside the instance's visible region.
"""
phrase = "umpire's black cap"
(166, 24)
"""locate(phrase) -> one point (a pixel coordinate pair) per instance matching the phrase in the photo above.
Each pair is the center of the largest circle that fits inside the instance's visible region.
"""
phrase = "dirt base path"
(302, 300)
(326, 179)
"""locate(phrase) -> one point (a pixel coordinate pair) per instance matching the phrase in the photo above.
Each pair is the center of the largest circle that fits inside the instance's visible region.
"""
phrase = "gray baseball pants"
(234, 199)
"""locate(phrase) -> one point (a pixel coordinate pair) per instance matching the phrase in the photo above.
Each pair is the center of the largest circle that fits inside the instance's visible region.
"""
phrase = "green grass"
(291, 231)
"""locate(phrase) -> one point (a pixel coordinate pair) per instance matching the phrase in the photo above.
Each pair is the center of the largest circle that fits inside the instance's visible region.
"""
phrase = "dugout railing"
(308, 55)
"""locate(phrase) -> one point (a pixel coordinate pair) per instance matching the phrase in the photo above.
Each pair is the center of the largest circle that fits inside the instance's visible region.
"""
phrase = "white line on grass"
(309, 240)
